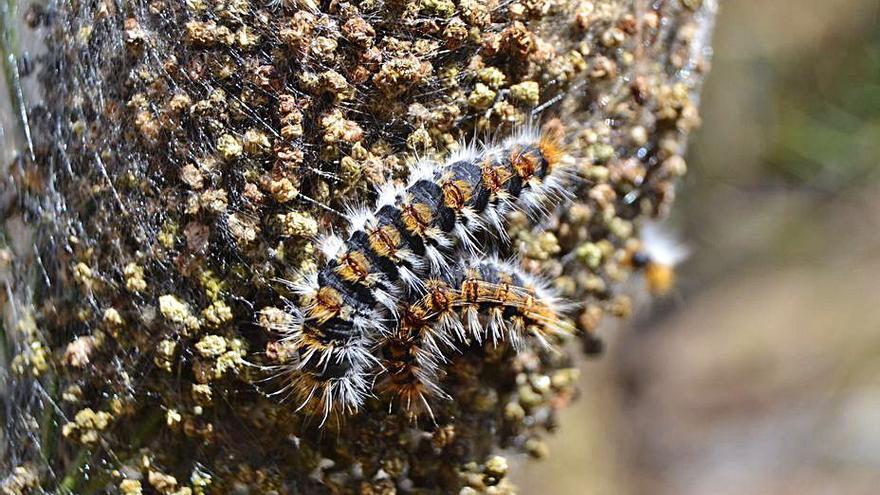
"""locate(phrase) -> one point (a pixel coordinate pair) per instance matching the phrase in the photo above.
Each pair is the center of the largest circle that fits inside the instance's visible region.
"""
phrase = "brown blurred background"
(761, 373)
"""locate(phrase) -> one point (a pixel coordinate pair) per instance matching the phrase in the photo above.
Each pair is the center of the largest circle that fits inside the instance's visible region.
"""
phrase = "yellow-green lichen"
(176, 311)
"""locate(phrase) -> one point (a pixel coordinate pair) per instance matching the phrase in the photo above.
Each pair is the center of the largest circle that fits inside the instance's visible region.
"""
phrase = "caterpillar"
(397, 250)
(483, 300)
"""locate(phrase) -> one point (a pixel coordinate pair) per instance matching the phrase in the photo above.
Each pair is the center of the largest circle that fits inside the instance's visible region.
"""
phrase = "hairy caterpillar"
(482, 300)
(396, 251)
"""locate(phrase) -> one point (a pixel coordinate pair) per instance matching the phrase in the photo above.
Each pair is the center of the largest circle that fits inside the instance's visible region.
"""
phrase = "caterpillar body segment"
(412, 365)
(396, 255)
(495, 301)
(324, 373)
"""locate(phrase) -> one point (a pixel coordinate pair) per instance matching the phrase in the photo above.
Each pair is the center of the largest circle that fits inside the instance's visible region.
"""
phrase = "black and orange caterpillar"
(487, 300)
(379, 291)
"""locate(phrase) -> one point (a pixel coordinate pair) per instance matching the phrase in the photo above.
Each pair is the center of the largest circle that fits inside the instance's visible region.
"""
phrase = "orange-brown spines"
(503, 293)
(400, 351)
(440, 298)
(385, 240)
(407, 375)
(524, 162)
(471, 290)
(536, 311)
(320, 396)
(324, 304)
(353, 267)
(411, 317)
(494, 177)
(416, 217)
(456, 194)
(551, 148)
(402, 380)
(311, 340)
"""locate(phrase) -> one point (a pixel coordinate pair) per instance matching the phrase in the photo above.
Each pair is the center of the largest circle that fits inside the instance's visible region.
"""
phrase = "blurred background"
(760, 374)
